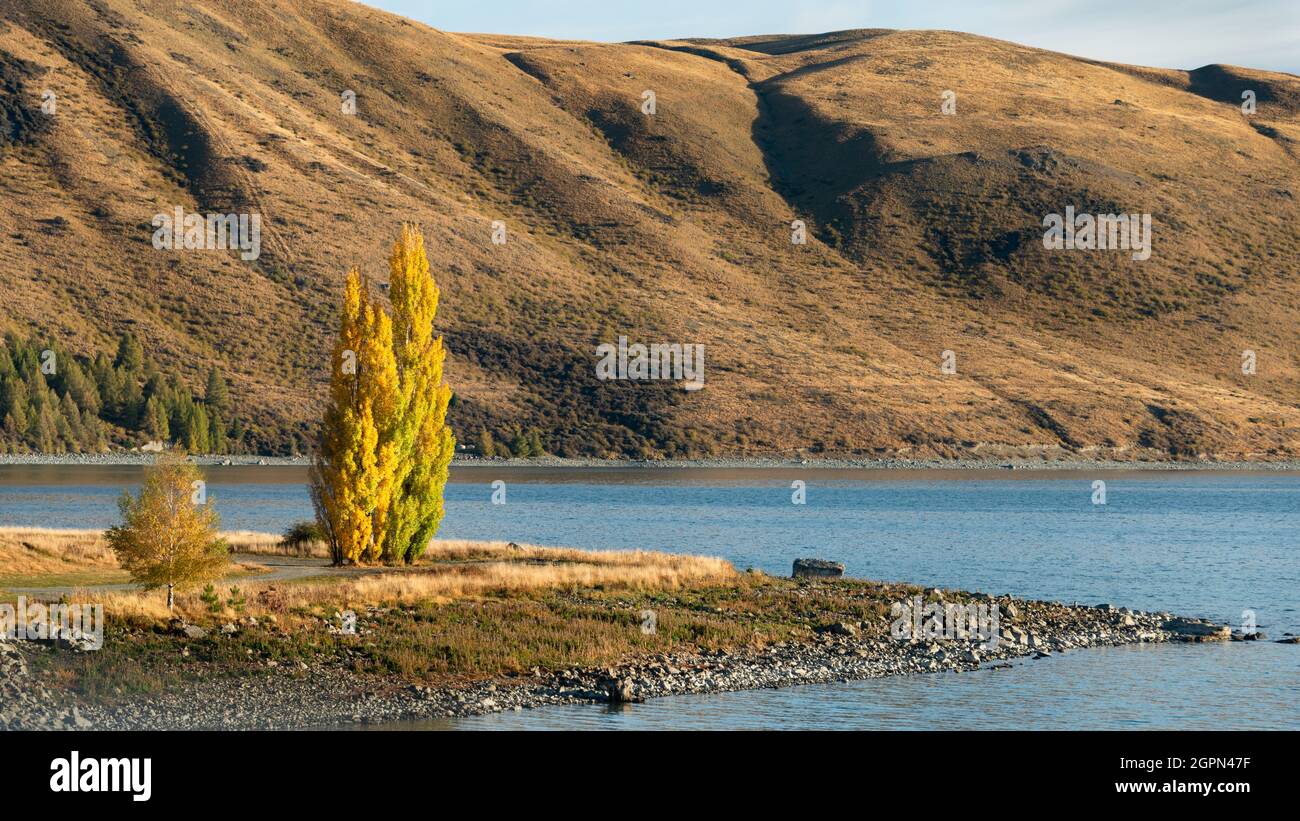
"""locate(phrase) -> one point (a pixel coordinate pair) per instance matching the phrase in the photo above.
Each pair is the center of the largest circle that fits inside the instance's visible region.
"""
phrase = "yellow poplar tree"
(379, 398)
(418, 427)
(346, 478)
(384, 447)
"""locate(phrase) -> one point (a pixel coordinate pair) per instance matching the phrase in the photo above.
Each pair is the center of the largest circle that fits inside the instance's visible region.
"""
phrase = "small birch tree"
(166, 539)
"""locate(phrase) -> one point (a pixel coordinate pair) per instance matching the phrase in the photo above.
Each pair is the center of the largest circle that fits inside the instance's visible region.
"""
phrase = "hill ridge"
(924, 230)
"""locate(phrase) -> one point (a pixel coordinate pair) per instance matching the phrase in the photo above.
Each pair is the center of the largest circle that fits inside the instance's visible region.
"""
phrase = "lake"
(1198, 543)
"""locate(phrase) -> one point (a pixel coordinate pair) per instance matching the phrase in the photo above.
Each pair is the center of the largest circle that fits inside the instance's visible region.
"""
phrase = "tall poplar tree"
(419, 425)
(345, 450)
(384, 448)
(351, 477)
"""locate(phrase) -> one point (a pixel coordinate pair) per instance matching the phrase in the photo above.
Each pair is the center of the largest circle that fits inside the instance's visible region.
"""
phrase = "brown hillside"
(925, 230)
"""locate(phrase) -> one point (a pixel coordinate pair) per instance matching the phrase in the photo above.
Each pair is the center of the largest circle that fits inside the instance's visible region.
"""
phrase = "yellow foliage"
(384, 447)
(166, 539)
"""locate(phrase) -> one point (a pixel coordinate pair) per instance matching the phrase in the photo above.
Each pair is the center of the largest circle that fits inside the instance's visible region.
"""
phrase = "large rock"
(838, 628)
(817, 568)
(180, 627)
(1014, 635)
(76, 640)
(621, 691)
(1195, 630)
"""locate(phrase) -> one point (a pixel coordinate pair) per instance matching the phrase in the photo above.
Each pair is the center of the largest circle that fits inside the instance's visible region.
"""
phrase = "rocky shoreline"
(330, 695)
(1059, 462)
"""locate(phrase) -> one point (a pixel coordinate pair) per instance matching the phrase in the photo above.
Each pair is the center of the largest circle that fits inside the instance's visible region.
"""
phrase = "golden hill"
(924, 229)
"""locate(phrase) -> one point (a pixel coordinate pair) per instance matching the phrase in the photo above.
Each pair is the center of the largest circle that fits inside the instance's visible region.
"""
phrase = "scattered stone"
(621, 691)
(179, 627)
(75, 640)
(839, 628)
(1197, 630)
(328, 693)
(817, 568)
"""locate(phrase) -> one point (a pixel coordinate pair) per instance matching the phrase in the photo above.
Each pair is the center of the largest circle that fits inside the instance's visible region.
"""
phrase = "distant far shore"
(1055, 463)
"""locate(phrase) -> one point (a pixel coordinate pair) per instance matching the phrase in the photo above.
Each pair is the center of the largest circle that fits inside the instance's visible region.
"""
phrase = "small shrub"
(302, 535)
(272, 599)
(210, 598)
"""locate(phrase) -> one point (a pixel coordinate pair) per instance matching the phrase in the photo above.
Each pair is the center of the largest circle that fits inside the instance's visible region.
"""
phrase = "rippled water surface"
(1207, 544)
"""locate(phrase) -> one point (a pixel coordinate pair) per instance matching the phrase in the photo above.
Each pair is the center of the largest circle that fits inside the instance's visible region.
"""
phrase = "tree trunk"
(171, 599)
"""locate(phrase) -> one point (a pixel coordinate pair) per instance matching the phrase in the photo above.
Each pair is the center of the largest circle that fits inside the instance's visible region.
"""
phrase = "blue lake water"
(1205, 544)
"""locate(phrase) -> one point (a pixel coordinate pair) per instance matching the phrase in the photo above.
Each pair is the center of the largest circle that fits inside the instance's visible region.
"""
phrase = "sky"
(1166, 33)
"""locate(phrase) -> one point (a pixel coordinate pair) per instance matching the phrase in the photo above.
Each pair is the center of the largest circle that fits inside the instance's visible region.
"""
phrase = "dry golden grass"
(460, 550)
(50, 558)
(45, 550)
(438, 584)
(269, 544)
(31, 551)
(449, 570)
(647, 571)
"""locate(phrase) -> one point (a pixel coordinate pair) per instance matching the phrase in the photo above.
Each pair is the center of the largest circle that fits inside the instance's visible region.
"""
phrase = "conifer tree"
(519, 444)
(80, 386)
(65, 408)
(17, 409)
(94, 432)
(130, 355)
(44, 428)
(109, 385)
(216, 432)
(216, 393)
(196, 429)
(486, 447)
(155, 420)
(13, 430)
(71, 417)
(131, 408)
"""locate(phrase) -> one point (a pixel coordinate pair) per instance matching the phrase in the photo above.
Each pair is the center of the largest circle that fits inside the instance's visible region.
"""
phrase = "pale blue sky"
(1166, 33)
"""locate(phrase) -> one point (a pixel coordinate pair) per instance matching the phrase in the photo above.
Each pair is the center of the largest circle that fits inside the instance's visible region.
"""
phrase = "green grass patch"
(75, 578)
(484, 637)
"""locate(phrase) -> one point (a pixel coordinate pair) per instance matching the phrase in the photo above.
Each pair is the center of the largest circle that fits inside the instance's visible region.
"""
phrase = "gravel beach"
(329, 695)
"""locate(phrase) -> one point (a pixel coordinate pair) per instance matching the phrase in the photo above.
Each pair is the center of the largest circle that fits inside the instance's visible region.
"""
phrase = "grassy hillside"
(924, 230)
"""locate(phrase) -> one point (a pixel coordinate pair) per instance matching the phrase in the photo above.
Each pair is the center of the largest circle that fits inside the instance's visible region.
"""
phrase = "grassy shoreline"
(484, 627)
